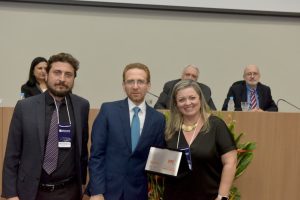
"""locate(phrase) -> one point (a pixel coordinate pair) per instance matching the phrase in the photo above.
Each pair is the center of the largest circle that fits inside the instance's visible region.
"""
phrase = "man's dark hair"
(63, 57)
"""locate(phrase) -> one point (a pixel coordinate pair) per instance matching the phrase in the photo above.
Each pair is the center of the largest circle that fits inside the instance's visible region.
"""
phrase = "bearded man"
(46, 153)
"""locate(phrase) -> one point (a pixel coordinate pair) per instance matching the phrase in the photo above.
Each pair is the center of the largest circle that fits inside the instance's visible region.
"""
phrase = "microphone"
(149, 100)
(287, 103)
(153, 94)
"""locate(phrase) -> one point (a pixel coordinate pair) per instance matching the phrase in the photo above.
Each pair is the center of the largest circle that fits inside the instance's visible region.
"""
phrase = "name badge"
(64, 136)
(187, 153)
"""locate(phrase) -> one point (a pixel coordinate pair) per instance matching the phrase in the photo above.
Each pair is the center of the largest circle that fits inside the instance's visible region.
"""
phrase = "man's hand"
(256, 110)
(83, 187)
(97, 197)
(13, 198)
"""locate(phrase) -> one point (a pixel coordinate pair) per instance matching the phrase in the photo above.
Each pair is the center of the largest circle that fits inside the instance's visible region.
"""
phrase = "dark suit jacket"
(30, 90)
(26, 143)
(114, 169)
(239, 93)
(164, 99)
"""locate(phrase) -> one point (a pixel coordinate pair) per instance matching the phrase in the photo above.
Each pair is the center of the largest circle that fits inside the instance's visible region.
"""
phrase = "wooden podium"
(275, 170)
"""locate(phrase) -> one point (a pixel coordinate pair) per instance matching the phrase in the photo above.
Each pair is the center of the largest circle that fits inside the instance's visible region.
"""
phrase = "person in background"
(211, 148)
(36, 83)
(122, 135)
(46, 154)
(250, 90)
(190, 72)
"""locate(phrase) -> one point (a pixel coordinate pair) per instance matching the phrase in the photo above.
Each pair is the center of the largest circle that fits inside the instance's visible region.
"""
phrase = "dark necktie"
(135, 128)
(51, 154)
(253, 99)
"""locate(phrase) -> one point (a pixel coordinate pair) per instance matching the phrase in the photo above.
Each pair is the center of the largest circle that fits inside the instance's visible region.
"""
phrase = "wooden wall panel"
(275, 170)
(6, 117)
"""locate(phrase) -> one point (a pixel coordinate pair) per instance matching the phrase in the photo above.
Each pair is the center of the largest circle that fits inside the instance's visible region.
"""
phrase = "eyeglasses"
(59, 73)
(252, 74)
(133, 82)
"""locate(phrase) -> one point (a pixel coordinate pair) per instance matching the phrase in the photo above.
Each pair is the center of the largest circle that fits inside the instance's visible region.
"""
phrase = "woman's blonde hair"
(176, 118)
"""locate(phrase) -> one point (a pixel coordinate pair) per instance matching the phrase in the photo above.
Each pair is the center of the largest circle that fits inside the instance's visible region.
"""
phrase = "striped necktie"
(253, 102)
(51, 153)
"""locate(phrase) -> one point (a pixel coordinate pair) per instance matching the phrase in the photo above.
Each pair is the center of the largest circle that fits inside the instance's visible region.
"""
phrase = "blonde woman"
(211, 149)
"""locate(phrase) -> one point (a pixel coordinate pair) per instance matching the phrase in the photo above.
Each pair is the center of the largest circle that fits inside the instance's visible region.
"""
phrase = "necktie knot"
(58, 104)
(136, 110)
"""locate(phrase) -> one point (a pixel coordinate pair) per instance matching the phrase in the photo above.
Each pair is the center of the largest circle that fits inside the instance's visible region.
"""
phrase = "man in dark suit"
(118, 155)
(190, 72)
(257, 95)
(46, 154)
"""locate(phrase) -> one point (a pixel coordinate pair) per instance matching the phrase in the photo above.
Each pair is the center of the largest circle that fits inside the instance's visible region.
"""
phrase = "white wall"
(106, 39)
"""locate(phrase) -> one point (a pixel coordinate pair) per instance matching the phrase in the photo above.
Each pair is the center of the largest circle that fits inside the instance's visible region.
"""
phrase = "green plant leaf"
(243, 164)
(238, 137)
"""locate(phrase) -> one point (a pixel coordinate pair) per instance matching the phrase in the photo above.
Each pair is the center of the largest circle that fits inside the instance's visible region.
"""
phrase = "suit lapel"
(147, 126)
(259, 95)
(244, 93)
(77, 121)
(40, 116)
(125, 122)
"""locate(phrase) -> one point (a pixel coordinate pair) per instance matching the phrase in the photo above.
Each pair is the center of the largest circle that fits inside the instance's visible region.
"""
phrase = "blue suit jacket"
(115, 170)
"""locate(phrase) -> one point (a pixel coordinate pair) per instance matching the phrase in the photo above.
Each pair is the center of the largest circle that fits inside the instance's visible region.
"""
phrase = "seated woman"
(211, 148)
(36, 83)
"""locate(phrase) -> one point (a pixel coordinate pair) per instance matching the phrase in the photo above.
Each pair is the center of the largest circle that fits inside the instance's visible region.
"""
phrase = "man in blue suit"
(118, 157)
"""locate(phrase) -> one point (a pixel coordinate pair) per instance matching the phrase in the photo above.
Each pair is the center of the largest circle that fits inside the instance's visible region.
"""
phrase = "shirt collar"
(49, 99)
(142, 106)
(249, 88)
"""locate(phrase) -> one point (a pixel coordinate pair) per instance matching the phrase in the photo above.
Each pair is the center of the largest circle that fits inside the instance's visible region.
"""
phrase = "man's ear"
(149, 87)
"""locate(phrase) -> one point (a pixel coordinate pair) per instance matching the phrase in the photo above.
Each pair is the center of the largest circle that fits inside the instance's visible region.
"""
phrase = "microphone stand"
(287, 103)
(149, 101)
(153, 94)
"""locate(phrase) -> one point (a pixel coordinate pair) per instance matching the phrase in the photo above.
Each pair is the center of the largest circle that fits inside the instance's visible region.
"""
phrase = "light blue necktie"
(135, 128)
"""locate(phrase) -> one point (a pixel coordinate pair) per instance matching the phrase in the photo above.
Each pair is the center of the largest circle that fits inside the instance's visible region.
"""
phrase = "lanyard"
(57, 111)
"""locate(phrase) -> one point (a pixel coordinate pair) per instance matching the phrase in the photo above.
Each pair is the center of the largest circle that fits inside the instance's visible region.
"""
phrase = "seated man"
(190, 72)
(250, 90)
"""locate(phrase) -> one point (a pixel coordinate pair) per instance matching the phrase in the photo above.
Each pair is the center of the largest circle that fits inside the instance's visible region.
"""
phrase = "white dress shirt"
(142, 113)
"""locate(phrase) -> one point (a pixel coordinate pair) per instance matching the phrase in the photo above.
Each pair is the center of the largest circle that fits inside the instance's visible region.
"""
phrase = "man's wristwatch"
(220, 197)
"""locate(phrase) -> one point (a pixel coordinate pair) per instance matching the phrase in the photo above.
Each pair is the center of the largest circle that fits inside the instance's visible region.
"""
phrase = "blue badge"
(64, 136)
(187, 153)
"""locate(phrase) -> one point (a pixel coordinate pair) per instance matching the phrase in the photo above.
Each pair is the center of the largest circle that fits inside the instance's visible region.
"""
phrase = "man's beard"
(60, 93)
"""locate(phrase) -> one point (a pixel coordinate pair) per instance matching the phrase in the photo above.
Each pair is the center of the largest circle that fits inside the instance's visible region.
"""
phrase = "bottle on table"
(230, 105)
